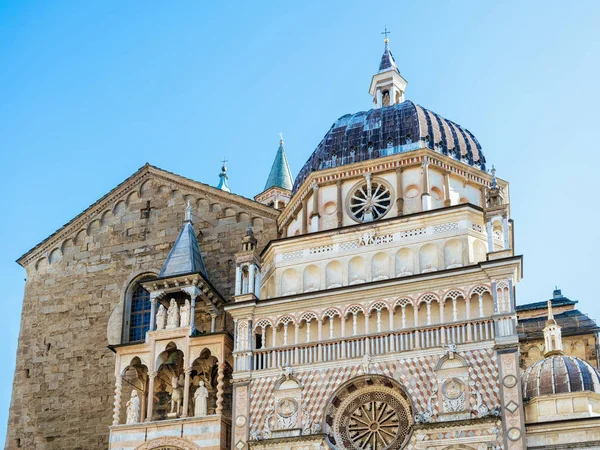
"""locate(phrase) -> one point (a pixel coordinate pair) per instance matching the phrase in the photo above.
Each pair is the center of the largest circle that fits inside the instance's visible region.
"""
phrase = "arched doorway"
(370, 411)
(168, 443)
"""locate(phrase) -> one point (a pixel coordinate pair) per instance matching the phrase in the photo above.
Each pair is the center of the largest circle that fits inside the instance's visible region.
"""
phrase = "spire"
(280, 175)
(387, 85)
(223, 177)
(552, 335)
(185, 256)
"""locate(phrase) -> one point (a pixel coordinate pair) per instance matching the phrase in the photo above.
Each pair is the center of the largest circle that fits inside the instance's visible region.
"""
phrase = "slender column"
(251, 279)
(505, 232)
(263, 340)
(213, 322)
(314, 215)
(403, 316)
(297, 334)
(331, 327)
(319, 330)
(391, 319)
(236, 337)
(343, 318)
(425, 196)
(428, 313)
(480, 305)
(257, 287)
(220, 384)
(285, 333)
(340, 206)
(308, 331)
(442, 319)
(153, 301)
(149, 413)
(274, 336)
(354, 324)
(416, 311)
(378, 320)
(454, 310)
(490, 236)
(367, 316)
(238, 280)
(447, 199)
(186, 391)
(304, 215)
(399, 191)
(193, 313)
(117, 404)
(468, 307)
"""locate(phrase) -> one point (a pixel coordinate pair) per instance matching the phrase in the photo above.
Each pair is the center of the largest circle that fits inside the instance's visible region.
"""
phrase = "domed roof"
(560, 374)
(380, 132)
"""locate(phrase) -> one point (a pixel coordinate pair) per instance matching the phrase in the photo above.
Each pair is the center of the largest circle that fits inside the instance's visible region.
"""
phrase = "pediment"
(145, 182)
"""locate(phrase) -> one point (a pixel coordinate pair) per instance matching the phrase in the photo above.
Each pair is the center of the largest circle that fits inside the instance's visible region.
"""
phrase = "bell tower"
(387, 85)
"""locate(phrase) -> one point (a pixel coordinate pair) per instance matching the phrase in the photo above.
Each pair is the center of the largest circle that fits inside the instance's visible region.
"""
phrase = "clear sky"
(92, 90)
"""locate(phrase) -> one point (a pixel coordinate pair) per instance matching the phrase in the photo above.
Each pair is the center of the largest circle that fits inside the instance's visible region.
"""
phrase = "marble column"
(186, 392)
(399, 191)
(117, 403)
(150, 403)
(220, 385)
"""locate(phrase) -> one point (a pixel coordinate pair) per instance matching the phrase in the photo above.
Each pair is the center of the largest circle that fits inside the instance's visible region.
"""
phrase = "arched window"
(136, 312)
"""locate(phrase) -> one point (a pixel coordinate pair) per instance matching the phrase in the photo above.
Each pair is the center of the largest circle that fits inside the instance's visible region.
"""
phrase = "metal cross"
(385, 32)
(145, 213)
(224, 160)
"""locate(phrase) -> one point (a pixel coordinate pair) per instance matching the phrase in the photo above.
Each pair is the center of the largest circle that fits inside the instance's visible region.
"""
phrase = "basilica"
(368, 303)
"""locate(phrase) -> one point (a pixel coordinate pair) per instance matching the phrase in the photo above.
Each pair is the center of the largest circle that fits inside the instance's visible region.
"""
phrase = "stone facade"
(74, 295)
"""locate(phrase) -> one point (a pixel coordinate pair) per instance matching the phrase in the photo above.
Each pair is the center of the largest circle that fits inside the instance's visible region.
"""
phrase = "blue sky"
(90, 91)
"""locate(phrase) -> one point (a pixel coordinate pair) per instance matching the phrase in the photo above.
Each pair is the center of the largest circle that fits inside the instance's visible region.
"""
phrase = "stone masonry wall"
(64, 378)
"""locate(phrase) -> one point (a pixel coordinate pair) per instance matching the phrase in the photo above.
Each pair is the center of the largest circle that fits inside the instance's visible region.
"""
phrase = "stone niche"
(289, 409)
(453, 394)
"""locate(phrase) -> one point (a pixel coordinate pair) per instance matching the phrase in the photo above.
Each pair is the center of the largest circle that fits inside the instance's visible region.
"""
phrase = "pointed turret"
(223, 177)
(278, 188)
(185, 256)
(552, 334)
(387, 85)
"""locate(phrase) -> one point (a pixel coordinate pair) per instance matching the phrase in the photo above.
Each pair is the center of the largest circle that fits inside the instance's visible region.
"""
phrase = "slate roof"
(387, 61)
(280, 175)
(556, 302)
(185, 256)
(385, 131)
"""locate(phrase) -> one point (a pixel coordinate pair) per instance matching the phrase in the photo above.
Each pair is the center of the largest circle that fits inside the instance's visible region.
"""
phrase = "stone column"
(314, 215)
(454, 310)
(304, 216)
(447, 199)
(399, 191)
(343, 320)
(257, 286)
(153, 302)
(505, 232)
(391, 319)
(367, 316)
(213, 322)
(490, 236)
(117, 403)
(320, 329)
(425, 196)
(416, 315)
(186, 391)
(442, 320)
(340, 206)
(193, 313)
(220, 384)
(150, 403)
(251, 279)
(238, 280)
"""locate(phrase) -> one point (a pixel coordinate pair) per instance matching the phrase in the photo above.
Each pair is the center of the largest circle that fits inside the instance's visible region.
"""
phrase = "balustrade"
(375, 344)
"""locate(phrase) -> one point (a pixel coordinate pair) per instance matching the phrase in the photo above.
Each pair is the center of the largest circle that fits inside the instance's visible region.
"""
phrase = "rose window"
(370, 200)
(375, 417)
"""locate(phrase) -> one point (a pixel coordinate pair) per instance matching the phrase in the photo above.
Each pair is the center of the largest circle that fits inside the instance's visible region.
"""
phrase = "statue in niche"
(385, 101)
(161, 318)
(185, 314)
(133, 408)
(200, 399)
(173, 315)
(367, 363)
(404, 272)
(176, 395)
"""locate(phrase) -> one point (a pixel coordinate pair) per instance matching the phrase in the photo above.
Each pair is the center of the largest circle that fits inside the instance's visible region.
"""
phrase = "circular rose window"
(370, 416)
(369, 200)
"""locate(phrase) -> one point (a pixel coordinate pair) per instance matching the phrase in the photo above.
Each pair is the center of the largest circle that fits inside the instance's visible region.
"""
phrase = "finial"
(494, 180)
(223, 177)
(386, 32)
(223, 165)
(188, 211)
(550, 313)
(280, 138)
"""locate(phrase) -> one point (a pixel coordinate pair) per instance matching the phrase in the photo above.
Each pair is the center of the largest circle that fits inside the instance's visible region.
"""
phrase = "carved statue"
(200, 398)
(286, 372)
(133, 408)
(184, 312)
(176, 395)
(161, 318)
(366, 363)
(173, 315)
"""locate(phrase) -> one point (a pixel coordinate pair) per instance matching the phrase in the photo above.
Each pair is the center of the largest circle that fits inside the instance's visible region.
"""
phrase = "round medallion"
(287, 407)
(513, 434)
(375, 417)
(240, 421)
(452, 388)
(369, 200)
(510, 381)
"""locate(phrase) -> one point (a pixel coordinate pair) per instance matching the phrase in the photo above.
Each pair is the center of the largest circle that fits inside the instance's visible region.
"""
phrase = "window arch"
(137, 311)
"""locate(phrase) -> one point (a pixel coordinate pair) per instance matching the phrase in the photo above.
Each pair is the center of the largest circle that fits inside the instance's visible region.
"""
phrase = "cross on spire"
(280, 138)
(224, 161)
(385, 32)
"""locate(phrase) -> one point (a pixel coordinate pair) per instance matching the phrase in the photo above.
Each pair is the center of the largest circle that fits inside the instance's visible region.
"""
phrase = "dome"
(560, 374)
(380, 132)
